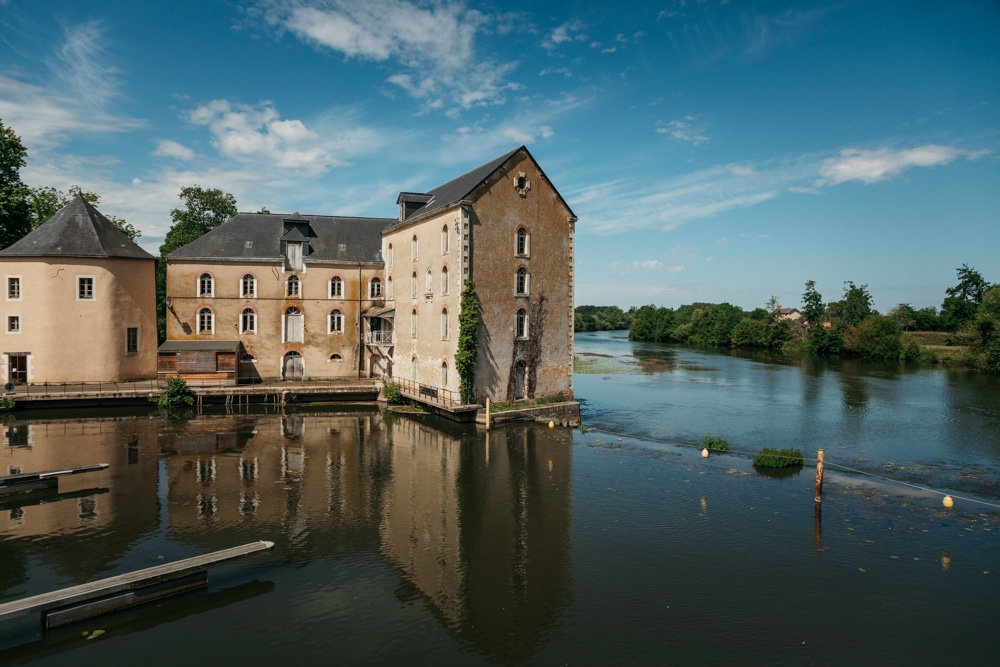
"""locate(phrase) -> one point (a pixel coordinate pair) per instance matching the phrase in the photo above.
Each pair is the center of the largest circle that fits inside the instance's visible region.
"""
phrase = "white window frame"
(206, 280)
(414, 285)
(444, 240)
(414, 250)
(335, 322)
(526, 250)
(413, 323)
(521, 324)
(297, 292)
(338, 292)
(12, 317)
(79, 288)
(388, 256)
(388, 288)
(210, 331)
(293, 256)
(20, 288)
(444, 324)
(248, 317)
(444, 280)
(375, 288)
(335, 358)
(138, 341)
(285, 335)
(248, 280)
(444, 374)
(519, 289)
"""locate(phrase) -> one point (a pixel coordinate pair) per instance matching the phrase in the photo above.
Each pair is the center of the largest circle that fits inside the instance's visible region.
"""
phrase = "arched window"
(444, 240)
(413, 323)
(294, 287)
(521, 324)
(523, 242)
(413, 368)
(444, 373)
(294, 326)
(444, 324)
(429, 281)
(388, 288)
(206, 285)
(336, 288)
(444, 280)
(206, 321)
(375, 288)
(248, 321)
(413, 248)
(388, 255)
(248, 358)
(413, 285)
(248, 286)
(522, 282)
(336, 321)
(336, 357)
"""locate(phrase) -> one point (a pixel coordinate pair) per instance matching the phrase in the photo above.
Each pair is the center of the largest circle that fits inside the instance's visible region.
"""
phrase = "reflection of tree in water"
(13, 569)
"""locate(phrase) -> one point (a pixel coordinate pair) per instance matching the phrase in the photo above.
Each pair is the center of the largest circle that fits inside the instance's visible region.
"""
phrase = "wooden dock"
(126, 590)
(46, 479)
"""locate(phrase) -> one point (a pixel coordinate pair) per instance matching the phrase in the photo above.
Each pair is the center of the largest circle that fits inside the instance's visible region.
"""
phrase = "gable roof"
(465, 185)
(259, 236)
(76, 230)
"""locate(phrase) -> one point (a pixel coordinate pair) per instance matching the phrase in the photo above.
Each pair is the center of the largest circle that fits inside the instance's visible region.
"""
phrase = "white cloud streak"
(872, 166)
(431, 45)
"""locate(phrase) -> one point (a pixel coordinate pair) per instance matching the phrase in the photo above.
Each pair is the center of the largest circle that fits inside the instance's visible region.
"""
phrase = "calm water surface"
(408, 539)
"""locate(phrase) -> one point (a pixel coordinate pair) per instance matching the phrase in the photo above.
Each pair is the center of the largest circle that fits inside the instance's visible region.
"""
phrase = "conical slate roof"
(76, 230)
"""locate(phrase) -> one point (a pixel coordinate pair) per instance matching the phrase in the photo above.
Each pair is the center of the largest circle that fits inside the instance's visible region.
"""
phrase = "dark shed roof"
(76, 230)
(259, 236)
(199, 346)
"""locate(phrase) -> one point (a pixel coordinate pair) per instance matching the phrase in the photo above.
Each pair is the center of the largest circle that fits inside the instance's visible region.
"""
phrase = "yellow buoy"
(947, 502)
(552, 424)
(704, 453)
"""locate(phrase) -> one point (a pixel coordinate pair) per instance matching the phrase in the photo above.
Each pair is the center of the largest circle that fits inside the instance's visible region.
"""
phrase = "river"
(405, 538)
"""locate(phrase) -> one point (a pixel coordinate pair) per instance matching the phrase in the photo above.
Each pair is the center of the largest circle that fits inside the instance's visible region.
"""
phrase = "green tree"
(879, 337)
(15, 209)
(905, 315)
(984, 350)
(468, 343)
(927, 319)
(963, 299)
(204, 210)
(856, 304)
(812, 305)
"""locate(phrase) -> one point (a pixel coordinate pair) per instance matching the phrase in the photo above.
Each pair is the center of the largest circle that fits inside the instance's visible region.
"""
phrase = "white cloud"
(167, 148)
(246, 133)
(80, 64)
(570, 31)
(432, 46)
(683, 130)
(872, 166)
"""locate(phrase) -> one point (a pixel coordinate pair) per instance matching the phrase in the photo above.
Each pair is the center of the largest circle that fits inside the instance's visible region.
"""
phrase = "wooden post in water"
(819, 475)
(487, 413)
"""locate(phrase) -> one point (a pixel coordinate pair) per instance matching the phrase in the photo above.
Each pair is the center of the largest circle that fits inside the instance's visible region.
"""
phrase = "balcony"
(378, 338)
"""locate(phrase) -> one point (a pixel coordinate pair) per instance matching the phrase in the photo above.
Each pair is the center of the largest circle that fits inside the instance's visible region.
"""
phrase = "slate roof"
(258, 236)
(462, 187)
(199, 346)
(76, 230)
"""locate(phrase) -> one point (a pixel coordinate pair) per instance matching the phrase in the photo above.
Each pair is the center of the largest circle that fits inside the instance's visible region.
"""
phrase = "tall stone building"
(79, 302)
(326, 297)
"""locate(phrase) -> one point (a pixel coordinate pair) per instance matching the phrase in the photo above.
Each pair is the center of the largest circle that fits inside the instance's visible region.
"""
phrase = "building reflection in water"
(475, 525)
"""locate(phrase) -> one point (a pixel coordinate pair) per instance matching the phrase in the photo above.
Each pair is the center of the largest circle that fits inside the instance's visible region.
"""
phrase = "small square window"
(85, 287)
(13, 324)
(13, 288)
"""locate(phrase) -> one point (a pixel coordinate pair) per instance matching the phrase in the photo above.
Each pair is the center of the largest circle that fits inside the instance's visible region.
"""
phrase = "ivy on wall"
(468, 343)
(528, 351)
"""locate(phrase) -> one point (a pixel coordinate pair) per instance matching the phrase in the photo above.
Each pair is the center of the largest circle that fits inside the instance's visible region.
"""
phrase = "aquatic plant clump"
(393, 393)
(714, 443)
(777, 458)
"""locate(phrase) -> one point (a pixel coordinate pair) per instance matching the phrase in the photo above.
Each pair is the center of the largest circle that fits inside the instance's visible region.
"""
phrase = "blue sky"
(712, 151)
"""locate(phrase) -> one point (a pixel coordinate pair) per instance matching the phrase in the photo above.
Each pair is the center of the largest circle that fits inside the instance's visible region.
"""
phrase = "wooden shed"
(200, 362)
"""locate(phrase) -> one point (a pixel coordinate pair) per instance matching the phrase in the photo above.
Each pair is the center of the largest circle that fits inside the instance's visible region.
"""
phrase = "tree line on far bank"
(969, 317)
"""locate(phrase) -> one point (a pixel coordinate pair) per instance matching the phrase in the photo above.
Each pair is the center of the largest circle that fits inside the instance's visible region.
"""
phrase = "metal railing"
(139, 388)
(428, 394)
(378, 338)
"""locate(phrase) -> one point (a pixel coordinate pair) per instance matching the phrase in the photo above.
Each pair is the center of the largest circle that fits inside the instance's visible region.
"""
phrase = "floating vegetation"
(716, 444)
(777, 458)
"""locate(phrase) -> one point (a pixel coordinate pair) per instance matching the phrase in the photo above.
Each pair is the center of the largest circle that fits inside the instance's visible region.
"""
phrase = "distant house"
(79, 302)
(789, 314)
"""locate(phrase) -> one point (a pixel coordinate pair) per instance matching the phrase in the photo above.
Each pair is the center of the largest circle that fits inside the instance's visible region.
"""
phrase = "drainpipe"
(361, 330)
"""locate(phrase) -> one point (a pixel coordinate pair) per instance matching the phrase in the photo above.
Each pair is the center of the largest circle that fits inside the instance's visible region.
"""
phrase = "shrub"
(6, 402)
(717, 444)
(777, 458)
(393, 393)
(176, 394)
